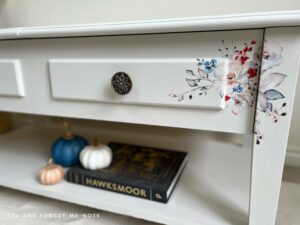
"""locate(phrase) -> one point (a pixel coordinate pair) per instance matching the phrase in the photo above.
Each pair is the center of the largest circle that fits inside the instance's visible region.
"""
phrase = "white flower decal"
(240, 80)
(269, 81)
(272, 56)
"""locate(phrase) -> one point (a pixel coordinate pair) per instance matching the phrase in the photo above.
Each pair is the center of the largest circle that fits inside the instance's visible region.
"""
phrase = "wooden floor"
(289, 202)
(291, 174)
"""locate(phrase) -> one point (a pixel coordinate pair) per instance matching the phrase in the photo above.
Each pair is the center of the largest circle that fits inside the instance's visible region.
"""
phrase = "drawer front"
(200, 80)
(11, 80)
(147, 81)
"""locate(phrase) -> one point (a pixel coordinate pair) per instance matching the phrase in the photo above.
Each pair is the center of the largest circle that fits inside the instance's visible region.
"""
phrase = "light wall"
(56, 12)
(19, 13)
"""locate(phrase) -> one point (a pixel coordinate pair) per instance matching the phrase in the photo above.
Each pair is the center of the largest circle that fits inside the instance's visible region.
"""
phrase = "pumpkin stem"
(95, 142)
(50, 161)
(68, 134)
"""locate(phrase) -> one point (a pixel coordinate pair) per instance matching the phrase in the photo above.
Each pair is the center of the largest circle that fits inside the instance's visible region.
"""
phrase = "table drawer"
(199, 80)
(11, 78)
(138, 81)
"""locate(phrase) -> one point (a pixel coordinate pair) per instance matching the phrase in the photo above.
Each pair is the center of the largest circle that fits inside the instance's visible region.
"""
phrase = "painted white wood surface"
(11, 78)
(205, 23)
(152, 81)
(211, 189)
(34, 55)
(280, 68)
(213, 202)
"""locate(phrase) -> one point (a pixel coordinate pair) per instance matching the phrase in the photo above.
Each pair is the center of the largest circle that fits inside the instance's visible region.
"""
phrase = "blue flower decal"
(208, 66)
(238, 89)
(214, 63)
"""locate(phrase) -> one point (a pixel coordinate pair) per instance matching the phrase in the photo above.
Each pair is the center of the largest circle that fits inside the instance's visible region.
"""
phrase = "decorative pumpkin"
(97, 156)
(65, 151)
(51, 174)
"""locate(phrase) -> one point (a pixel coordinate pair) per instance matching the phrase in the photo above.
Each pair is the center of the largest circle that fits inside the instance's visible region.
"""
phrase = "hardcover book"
(138, 171)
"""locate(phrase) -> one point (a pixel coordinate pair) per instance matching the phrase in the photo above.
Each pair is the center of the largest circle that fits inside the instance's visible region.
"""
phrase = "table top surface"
(206, 22)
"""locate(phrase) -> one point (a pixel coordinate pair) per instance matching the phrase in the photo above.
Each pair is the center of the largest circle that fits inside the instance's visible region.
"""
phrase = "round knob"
(121, 83)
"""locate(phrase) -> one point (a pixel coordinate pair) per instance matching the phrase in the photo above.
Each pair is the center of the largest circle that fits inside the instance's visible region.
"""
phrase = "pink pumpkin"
(51, 174)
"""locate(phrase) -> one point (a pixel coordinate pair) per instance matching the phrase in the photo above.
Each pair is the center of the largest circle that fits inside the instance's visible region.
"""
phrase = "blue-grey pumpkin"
(66, 151)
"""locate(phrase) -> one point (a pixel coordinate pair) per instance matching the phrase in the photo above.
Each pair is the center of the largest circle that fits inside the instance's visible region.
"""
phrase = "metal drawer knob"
(121, 83)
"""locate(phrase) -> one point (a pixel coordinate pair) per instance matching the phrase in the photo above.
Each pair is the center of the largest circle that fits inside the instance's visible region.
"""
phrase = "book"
(139, 171)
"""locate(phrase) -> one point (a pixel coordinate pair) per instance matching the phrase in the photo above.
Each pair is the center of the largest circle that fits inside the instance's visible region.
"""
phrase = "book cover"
(139, 171)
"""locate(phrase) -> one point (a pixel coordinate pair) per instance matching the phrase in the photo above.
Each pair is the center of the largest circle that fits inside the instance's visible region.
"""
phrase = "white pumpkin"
(97, 156)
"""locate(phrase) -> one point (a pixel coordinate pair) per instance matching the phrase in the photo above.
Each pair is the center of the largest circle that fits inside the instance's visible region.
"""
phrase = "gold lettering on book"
(158, 196)
(116, 187)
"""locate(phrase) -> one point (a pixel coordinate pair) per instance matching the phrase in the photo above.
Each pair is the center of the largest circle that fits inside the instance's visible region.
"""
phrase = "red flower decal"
(243, 59)
(253, 42)
(227, 98)
(252, 72)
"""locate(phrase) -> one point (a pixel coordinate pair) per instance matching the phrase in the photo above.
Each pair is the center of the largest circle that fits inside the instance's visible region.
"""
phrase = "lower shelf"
(213, 189)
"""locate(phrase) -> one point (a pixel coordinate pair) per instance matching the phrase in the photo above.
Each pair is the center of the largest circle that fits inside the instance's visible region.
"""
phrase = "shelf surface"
(213, 189)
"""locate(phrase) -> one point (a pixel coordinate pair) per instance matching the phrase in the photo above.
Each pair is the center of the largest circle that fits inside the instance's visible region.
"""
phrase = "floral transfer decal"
(240, 79)
(270, 79)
